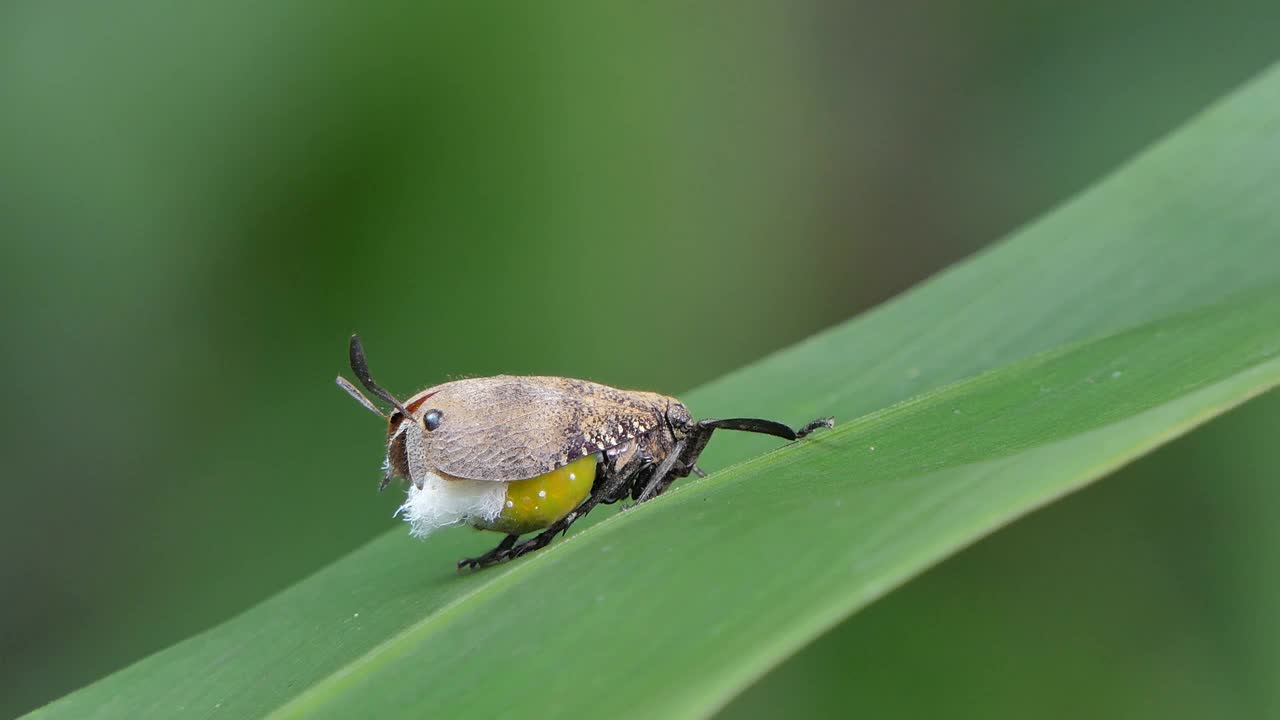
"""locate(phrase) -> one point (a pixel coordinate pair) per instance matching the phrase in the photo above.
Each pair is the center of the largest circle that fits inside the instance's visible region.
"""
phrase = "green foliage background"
(200, 203)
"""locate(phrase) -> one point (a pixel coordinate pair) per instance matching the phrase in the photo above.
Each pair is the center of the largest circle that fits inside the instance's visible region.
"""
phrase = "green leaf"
(1144, 307)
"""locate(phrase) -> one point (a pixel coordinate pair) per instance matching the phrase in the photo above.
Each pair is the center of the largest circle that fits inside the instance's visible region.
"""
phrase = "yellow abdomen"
(535, 503)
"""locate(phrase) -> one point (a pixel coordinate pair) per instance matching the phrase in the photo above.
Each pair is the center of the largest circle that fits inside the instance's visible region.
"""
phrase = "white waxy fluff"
(443, 502)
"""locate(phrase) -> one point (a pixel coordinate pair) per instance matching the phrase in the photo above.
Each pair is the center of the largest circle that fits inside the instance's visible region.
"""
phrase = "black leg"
(606, 489)
(490, 557)
(537, 542)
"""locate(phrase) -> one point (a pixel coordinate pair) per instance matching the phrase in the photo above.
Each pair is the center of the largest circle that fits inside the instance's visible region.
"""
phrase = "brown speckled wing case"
(509, 428)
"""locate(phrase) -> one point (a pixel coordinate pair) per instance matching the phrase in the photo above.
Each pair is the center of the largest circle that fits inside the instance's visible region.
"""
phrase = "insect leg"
(659, 481)
(617, 485)
(490, 557)
(605, 489)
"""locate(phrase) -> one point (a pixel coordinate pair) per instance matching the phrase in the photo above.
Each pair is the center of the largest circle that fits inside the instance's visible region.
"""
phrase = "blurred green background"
(199, 203)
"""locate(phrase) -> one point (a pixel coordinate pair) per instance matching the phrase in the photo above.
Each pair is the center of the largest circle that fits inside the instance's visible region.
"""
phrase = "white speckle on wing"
(542, 493)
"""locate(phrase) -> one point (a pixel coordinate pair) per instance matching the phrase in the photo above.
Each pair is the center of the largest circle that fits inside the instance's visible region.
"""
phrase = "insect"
(518, 454)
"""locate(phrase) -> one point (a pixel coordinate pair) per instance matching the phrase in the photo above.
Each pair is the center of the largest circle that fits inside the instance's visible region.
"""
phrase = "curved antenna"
(360, 367)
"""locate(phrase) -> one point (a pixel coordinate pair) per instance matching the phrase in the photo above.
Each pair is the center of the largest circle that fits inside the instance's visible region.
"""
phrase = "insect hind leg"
(509, 550)
(490, 557)
(607, 489)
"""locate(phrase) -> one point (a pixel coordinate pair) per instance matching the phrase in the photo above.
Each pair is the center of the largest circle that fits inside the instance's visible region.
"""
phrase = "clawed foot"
(493, 557)
(499, 555)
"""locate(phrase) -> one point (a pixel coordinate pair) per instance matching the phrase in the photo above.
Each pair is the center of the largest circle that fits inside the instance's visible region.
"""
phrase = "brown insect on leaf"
(519, 454)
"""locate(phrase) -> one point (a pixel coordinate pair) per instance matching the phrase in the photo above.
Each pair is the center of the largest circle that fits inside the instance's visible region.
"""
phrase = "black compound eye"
(432, 419)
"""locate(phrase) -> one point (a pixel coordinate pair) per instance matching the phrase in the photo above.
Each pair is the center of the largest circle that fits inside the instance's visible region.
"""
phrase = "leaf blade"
(391, 679)
(1133, 251)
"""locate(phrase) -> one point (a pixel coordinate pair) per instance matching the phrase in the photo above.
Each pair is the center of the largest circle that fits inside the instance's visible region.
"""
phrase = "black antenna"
(360, 367)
